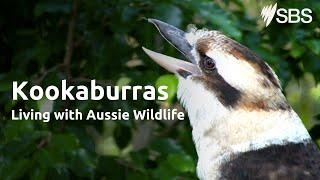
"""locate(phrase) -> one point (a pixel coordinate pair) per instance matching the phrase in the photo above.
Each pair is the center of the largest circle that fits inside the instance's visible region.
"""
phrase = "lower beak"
(175, 37)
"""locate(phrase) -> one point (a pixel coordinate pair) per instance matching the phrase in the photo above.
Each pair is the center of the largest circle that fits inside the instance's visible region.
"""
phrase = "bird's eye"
(208, 63)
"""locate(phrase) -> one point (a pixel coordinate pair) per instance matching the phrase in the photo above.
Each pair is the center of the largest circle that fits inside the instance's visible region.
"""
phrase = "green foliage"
(171, 82)
(104, 39)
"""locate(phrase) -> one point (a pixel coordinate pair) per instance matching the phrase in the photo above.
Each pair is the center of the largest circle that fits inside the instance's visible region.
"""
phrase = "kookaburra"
(242, 125)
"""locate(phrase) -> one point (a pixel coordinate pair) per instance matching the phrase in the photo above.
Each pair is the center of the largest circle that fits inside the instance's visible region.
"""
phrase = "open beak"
(175, 37)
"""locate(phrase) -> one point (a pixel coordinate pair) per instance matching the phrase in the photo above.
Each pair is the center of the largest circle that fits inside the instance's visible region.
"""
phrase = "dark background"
(44, 42)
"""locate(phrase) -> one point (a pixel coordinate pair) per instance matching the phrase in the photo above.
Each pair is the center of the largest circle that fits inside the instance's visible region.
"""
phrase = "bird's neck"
(217, 138)
(220, 131)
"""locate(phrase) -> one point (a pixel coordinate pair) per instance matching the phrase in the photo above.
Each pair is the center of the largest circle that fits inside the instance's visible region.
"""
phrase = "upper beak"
(175, 37)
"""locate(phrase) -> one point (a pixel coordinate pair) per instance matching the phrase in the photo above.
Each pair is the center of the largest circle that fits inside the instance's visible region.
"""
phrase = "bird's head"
(225, 69)
(220, 73)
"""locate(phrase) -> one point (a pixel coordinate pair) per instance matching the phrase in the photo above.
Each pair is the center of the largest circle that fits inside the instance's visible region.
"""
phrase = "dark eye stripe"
(227, 94)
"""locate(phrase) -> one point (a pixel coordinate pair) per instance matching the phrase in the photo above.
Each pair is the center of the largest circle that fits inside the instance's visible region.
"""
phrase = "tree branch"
(69, 51)
(46, 72)
(70, 41)
(44, 141)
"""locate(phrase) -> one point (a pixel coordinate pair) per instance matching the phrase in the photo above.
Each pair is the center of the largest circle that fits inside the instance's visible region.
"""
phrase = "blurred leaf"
(123, 81)
(300, 97)
(135, 175)
(140, 158)
(44, 158)
(51, 7)
(181, 162)
(315, 93)
(68, 141)
(109, 167)
(6, 83)
(168, 13)
(82, 164)
(166, 146)
(128, 13)
(38, 173)
(16, 129)
(15, 169)
(218, 17)
(60, 171)
(165, 173)
(297, 50)
(171, 82)
(314, 46)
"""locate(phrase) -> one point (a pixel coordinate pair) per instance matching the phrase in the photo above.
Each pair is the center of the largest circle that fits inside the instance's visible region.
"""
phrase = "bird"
(242, 125)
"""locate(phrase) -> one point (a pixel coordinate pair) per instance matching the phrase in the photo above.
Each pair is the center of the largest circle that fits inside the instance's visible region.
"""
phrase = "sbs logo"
(291, 15)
